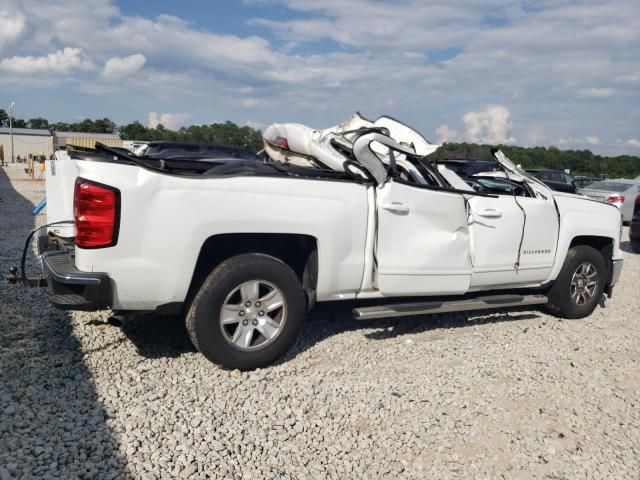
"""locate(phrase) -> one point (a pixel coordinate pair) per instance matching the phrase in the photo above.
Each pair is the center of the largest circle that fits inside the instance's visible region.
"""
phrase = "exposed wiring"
(23, 260)
(524, 218)
(524, 223)
(376, 216)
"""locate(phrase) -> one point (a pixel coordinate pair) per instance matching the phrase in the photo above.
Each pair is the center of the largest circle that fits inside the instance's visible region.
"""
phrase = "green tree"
(134, 131)
(86, 126)
(62, 127)
(579, 162)
(38, 122)
(4, 118)
(104, 125)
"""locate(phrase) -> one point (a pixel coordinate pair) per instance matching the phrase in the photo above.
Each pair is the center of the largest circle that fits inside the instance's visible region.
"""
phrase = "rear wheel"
(579, 286)
(248, 312)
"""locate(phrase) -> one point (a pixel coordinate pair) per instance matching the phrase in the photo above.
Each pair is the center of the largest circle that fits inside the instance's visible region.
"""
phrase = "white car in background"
(619, 192)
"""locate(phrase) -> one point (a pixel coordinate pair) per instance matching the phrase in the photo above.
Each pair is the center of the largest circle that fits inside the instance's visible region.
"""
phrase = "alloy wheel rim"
(253, 315)
(584, 283)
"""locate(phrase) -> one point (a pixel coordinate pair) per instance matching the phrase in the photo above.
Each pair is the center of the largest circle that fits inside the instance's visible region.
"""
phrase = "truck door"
(540, 236)
(496, 229)
(422, 241)
(495, 226)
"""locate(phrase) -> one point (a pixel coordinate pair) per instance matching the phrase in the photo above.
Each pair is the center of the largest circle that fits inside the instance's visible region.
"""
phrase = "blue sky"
(562, 72)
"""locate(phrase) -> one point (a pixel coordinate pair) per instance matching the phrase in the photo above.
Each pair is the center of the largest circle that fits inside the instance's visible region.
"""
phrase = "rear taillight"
(96, 210)
(616, 199)
(282, 142)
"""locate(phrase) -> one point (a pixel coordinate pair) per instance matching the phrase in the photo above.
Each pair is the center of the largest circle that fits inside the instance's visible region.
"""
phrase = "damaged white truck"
(356, 212)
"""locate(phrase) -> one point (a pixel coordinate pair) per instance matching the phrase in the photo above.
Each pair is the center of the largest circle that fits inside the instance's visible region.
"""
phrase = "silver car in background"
(620, 192)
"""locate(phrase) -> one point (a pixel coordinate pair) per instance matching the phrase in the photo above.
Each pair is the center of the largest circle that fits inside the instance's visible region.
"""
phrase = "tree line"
(227, 133)
(579, 162)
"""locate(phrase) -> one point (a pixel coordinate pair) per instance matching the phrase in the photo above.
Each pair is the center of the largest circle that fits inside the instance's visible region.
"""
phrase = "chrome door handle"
(490, 213)
(396, 207)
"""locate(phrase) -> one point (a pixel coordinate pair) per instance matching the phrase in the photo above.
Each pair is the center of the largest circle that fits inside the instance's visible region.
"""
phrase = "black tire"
(203, 318)
(561, 303)
(635, 246)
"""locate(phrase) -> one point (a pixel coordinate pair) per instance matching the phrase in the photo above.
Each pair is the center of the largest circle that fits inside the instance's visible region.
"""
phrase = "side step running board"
(423, 308)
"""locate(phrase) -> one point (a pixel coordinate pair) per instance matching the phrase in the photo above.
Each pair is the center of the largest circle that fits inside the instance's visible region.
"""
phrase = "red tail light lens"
(615, 199)
(96, 210)
(282, 142)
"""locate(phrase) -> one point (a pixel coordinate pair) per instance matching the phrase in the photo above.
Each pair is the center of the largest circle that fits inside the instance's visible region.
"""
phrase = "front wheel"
(579, 286)
(248, 312)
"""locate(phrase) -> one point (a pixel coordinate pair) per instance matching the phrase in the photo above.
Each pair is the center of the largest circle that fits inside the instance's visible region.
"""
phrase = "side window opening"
(499, 186)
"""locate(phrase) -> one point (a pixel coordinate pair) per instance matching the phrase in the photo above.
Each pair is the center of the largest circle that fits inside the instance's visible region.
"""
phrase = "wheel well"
(300, 252)
(603, 244)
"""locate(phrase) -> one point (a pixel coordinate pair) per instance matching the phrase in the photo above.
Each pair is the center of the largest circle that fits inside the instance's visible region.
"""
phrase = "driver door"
(513, 240)
(422, 241)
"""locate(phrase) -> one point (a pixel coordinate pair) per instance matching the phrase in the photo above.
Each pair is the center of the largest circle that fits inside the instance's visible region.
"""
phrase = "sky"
(546, 72)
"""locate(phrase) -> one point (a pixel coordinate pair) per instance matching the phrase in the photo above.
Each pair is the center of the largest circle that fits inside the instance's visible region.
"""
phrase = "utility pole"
(11, 105)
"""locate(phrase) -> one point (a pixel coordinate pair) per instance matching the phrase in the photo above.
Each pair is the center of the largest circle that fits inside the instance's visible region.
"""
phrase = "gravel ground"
(512, 395)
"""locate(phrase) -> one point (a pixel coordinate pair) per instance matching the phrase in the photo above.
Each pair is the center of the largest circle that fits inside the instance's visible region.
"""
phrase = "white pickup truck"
(356, 212)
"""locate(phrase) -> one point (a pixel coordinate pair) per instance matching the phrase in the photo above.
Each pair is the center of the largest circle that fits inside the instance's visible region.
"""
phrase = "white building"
(25, 141)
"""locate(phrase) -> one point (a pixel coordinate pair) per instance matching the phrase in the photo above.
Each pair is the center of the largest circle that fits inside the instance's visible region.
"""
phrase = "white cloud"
(413, 25)
(629, 78)
(425, 60)
(62, 62)
(446, 134)
(592, 140)
(596, 92)
(13, 23)
(117, 68)
(172, 121)
(633, 142)
(491, 125)
(250, 102)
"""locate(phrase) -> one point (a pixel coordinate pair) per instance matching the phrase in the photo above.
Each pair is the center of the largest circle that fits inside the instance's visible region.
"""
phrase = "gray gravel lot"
(512, 395)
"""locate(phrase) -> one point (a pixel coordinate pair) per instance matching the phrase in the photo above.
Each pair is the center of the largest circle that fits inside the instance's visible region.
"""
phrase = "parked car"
(244, 251)
(551, 175)
(619, 192)
(186, 150)
(634, 228)
(583, 182)
(467, 168)
(556, 180)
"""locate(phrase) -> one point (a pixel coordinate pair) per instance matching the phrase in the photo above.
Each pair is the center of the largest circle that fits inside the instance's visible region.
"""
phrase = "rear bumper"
(73, 289)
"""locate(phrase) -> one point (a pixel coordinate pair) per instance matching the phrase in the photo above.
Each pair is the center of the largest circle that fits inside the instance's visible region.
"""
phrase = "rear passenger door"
(422, 241)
